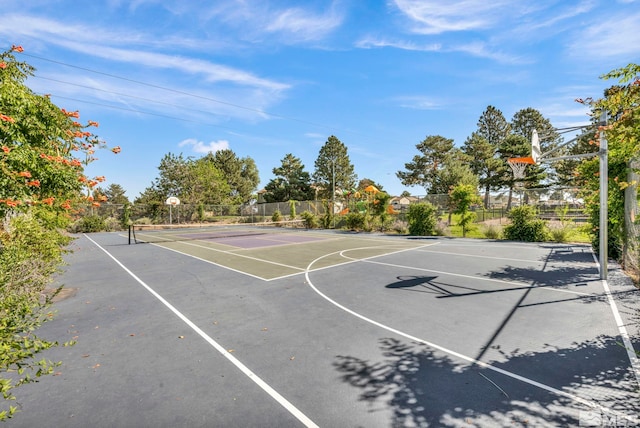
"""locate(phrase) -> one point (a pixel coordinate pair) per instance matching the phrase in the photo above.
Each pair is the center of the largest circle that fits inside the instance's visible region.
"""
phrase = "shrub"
(276, 216)
(525, 225)
(356, 221)
(90, 223)
(29, 254)
(310, 220)
(491, 231)
(422, 219)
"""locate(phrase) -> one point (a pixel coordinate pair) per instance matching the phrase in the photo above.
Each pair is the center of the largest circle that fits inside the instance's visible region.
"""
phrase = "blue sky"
(267, 78)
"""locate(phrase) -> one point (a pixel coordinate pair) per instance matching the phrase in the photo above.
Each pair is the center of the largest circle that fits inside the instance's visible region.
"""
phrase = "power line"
(177, 91)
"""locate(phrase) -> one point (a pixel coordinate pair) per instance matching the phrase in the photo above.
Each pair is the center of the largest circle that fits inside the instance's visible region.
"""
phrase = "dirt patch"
(65, 293)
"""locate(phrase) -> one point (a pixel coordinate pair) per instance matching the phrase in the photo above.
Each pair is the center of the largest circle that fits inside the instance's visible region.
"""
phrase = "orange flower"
(25, 174)
(17, 48)
(103, 198)
(3, 65)
(101, 178)
(93, 183)
(116, 149)
(6, 118)
(48, 201)
(66, 205)
(82, 179)
(90, 198)
(95, 204)
(6, 149)
(93, 123)
(34, 183)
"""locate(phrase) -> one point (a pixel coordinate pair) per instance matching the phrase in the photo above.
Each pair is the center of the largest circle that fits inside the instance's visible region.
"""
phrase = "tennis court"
(265, 327)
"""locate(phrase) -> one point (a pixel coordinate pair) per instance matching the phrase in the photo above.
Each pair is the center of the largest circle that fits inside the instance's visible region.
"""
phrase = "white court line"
(448, 351)
(244, 369)
(635, 364)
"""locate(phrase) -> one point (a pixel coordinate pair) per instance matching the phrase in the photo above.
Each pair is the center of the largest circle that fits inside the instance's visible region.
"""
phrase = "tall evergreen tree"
(423, 169)
(333, 169)
(291, 182)
(485, 163)
(241, 174)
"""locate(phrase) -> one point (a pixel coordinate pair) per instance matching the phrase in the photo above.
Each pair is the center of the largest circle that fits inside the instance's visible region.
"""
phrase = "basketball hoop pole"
(604, 183)
(604, 197)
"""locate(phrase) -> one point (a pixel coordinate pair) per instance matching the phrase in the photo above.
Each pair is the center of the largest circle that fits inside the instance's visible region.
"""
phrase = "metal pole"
(604, 197)
(333, 192)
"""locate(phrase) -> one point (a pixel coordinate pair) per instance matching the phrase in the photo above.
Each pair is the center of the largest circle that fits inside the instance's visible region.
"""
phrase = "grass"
(577, 234)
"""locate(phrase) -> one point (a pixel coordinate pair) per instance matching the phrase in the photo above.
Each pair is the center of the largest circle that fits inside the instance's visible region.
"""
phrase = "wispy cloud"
(436, 17)
(372, 42)
(610, 36)
(201, 147)
(257, 20)
(304, 25)
(418, 102)
(106, 44)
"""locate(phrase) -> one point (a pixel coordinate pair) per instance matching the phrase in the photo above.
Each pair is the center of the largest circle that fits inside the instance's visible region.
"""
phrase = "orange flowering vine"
(17, 48)
(48, 201)
(6, 118)
(3, 65)
(116, 149)
(25, 174)
(34, 183)
(6, 149)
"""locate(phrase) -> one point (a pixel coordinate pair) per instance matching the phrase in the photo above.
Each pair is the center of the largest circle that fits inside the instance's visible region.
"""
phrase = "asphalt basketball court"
(311, 328)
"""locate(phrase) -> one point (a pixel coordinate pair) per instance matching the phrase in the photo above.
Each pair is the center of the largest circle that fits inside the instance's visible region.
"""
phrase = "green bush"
(525, 225)
(276, 216)
(422, 219)
(310, 219)
(356, 221)
(90, 223)
(30, 253)
(492, 231)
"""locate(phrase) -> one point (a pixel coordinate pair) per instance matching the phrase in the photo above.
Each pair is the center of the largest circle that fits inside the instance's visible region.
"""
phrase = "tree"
(241, 174)
(115, 194)
(333, 169)
(292, 182)
(207, 184)
(622, 102)
(43, 152)
(493, 127)
(463, 196)
(485, 163)
(173, 178)
(366, 182)
(423, 169)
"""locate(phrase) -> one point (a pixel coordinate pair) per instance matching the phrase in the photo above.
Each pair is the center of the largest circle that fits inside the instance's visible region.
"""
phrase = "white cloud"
(436, 16)
(103, 43)
(370, 42)
(418, 102)
(201, 147)
(609, 36)
(256, 20)
(303, 25)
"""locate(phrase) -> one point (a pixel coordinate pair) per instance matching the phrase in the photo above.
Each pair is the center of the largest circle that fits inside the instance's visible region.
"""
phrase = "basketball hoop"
(519, 166)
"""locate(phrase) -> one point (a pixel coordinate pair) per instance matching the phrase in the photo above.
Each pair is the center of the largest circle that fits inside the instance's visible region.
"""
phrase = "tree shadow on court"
(424, 388)
(555, 276)
(568, 254)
